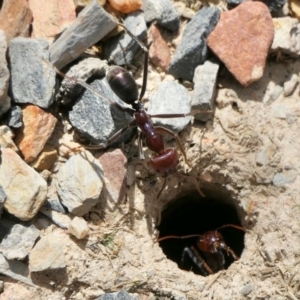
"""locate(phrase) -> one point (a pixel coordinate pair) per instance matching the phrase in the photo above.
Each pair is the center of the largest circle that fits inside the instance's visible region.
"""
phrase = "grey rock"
(15, 117)
(274, 5)
(233, 3)
(26, 190)
(62, 220)
(4, 78)
(95, 117)
(122, 295)
(273, 94)
(290, 85)
(2, 196)
(19, 241)
(163, 12)
(282, 178)
(47, 254)
(193, 50)
(205, 79)
(80, 182)
(265, 155)
(54, 204)
(15, 269)
(122, 48)
(91, 25)
(32, 77)
(247, 289)
(171, 97)
(70, 90)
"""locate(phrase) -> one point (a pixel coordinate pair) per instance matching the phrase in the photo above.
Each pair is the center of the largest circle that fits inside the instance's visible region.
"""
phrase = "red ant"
(164, 161)
(211, 244)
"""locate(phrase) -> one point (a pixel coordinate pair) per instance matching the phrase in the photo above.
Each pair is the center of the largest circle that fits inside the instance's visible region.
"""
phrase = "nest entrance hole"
(192, 214)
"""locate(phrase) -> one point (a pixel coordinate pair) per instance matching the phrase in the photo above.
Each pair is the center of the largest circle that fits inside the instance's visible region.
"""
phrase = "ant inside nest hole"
(202, 235)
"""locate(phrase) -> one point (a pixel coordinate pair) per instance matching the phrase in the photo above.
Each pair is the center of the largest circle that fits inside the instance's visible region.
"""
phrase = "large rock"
(242, 39)
(26, 190)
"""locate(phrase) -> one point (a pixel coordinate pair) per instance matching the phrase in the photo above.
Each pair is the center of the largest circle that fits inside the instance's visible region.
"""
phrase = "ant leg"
(145, 72)
(197, 260)
(140, 146)
(170, 116)
(195, 183)
(231, 225)
(229, 250)
(112, 138)
(174, 135)
(157, 202)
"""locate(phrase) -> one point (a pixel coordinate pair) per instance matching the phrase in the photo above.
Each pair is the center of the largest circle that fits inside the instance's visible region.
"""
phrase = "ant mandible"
(164, 161)
(212, 245)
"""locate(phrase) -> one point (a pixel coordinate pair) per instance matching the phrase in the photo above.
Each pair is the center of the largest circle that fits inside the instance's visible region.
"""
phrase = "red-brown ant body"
(211, 244)
(164, 161)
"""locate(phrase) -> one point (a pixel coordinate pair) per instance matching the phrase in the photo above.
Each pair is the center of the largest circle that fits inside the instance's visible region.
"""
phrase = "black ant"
(164, 161)
(212, 245)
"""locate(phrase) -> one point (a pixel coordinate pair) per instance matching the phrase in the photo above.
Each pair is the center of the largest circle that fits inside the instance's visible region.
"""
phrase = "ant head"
(137, 105)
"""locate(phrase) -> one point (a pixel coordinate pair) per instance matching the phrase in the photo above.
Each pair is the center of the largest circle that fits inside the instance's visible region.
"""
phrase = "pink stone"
(38, 127)
(159, 51)
(242, 39)
(51, 17)
(113, 165)
(15, 18)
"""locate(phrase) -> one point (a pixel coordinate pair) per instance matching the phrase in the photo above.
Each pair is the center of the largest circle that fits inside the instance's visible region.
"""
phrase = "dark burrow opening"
(194, 215)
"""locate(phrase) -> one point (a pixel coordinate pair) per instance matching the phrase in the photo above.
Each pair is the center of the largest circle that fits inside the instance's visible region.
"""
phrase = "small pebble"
(79, 228)
(247, 289)
(113, 163)
(163, 12)
(159, 52)
(290, 86)
(286, 38)
(122, 295)
(15, 117)
(205, 79)
(284, 177)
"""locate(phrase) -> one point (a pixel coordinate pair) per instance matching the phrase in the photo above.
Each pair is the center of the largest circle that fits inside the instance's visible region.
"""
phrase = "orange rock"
(15, 18)
(38, 127)
(126, 6)
(51, 17)
(159, 51)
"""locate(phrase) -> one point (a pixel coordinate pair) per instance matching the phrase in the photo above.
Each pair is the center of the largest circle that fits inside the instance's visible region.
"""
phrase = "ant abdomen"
(123, 84)
(165, 163)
